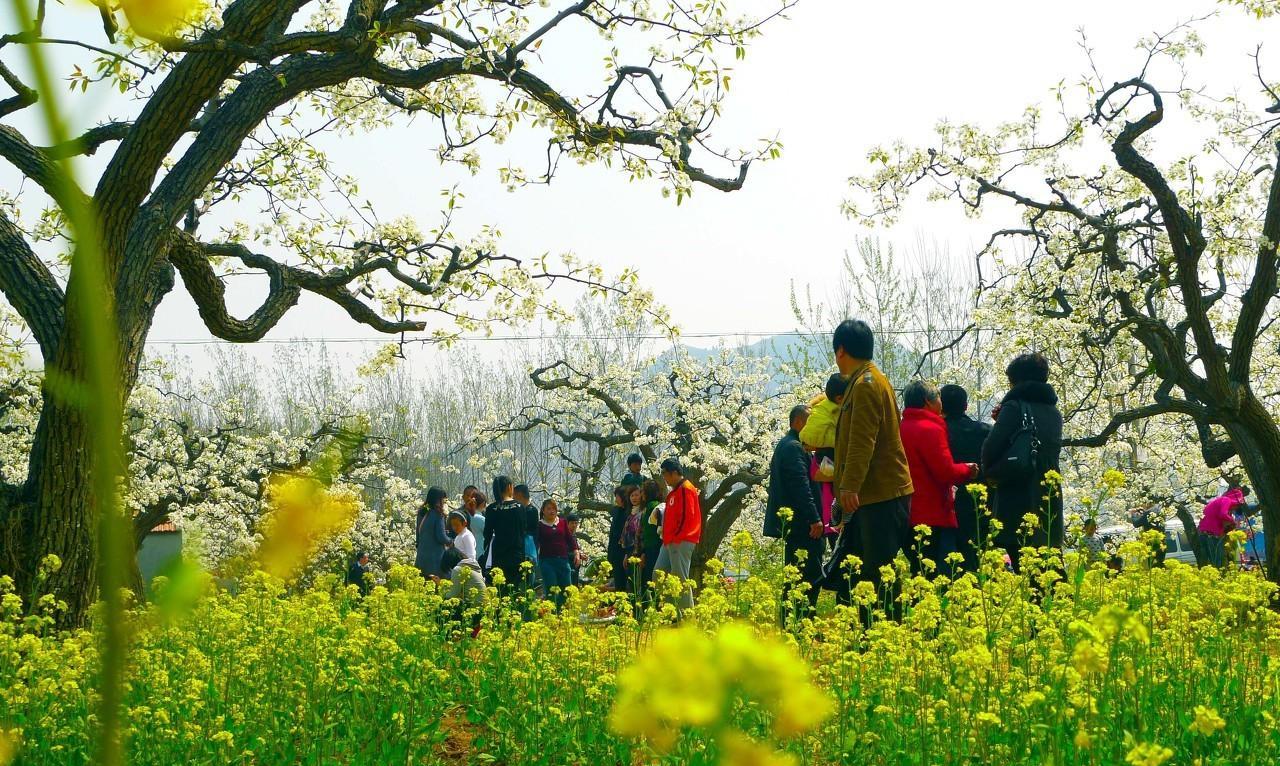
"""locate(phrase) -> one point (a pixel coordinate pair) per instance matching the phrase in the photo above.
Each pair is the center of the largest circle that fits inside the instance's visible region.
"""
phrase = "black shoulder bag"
(1021, 461)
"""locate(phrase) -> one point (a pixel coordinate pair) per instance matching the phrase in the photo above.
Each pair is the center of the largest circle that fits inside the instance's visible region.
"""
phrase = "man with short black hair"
(358, 573)
(635, 462)
(872, 479)
(681, 526)
(965, 437)
(790, 487)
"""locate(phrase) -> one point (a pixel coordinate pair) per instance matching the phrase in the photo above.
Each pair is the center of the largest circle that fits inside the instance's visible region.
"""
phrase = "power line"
(526, 338)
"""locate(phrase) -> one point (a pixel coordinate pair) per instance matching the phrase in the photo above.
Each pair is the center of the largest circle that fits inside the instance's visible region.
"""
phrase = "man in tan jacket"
(872, 479)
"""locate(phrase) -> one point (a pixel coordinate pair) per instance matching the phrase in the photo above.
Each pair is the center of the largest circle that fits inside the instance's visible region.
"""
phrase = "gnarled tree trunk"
(55, 511)
(1257, 441)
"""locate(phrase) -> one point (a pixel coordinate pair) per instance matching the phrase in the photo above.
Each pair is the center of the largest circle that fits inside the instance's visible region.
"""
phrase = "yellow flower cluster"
(688, 679)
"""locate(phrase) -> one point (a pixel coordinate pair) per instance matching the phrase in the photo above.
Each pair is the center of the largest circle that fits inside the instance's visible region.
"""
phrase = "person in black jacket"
(617, 520)
(965, 436)
(1029, 392)
(789, 487)
(505, 528)
(357, 574)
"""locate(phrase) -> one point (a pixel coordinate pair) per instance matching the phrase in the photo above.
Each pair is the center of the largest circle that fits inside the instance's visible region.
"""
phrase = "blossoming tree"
(225, 116)
(720, 416)
(1158, 282)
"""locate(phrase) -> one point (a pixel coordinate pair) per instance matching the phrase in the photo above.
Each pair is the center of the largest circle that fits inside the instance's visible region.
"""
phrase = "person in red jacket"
(681, 526)
(934, 473)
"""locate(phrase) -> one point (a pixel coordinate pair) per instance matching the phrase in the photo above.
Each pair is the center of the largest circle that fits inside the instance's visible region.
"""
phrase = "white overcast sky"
(833, 80)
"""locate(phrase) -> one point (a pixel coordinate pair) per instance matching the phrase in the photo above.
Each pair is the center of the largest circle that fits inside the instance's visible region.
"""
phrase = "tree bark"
(1191, 531)
(54, 511)
(62, 518)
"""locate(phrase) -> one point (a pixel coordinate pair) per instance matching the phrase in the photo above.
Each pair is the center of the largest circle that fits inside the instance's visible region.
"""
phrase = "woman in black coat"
(430, 535)
(1029, 393)
(505, 527)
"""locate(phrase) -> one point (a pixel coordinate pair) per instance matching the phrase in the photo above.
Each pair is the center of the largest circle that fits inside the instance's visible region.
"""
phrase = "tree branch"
(1169, 406)
(1185, 236)
(191, 258)
(37, 165)
(1256, 299)
(23, 96)
(30, 288)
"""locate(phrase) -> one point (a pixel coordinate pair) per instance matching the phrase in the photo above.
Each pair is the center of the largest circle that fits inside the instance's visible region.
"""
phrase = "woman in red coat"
(934, 474)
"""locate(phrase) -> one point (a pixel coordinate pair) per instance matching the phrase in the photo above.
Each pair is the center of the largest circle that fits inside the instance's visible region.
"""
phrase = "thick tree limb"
(1185, 236)
(1120, 419)
(286, 284)
(37, 165)
(1261, 291)
(209, 292)
(194, 80)
(29, 286)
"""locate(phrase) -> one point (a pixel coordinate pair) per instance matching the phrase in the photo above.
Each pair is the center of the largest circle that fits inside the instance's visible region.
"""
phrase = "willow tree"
(229, 113)
(1153, 280)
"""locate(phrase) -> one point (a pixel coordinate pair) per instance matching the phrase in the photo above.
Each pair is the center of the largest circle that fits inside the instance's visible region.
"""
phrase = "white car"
(1177, 546)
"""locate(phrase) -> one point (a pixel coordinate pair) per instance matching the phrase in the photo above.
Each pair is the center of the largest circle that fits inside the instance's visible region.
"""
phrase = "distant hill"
(780, 347)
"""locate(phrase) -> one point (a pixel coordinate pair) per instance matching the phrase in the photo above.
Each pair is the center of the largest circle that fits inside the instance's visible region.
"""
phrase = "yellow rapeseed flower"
(1088, 658)
(1112, 480)
(684, 678)
(1207, 722)
(740, 750)
(1082, 739)
(1148, 754)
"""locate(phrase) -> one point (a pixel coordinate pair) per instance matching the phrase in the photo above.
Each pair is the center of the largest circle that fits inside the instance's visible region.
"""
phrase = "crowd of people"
(855, 477)
(505, 542)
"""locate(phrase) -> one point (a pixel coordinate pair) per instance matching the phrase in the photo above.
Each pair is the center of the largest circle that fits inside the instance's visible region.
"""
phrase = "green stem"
(91, 301)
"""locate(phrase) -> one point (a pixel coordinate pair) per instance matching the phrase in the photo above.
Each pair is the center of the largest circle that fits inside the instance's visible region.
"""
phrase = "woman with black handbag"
(1024, 445)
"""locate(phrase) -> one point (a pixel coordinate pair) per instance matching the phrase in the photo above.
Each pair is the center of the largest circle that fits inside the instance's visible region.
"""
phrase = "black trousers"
(969, 535)
(810, 568)
(876, 534)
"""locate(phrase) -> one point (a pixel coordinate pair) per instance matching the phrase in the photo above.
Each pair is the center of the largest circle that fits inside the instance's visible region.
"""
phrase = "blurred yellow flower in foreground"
(688, 679)
(304, 514)
(8, 748)
(160, 17)
(741, 750)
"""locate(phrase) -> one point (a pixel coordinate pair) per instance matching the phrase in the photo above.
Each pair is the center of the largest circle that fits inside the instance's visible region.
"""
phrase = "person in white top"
(466, 577)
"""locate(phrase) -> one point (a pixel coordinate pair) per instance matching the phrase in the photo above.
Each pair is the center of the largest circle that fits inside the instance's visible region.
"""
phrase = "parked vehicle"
(1177, 546)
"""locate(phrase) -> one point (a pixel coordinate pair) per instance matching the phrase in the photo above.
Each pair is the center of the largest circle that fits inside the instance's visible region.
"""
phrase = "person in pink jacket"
(1218, 520)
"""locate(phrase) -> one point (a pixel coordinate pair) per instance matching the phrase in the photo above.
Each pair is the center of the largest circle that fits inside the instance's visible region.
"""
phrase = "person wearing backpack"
(1024, 445)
